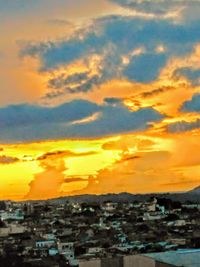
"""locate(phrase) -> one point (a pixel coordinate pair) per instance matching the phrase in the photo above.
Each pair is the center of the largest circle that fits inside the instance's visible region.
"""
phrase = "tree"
(2, 224)
(2, 205)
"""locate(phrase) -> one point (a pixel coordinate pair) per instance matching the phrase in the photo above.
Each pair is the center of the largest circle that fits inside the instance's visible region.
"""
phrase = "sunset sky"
(99, 97)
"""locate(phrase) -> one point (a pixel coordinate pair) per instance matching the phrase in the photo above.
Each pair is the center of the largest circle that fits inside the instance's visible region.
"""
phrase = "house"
(178, 241)
(95, 250)
(44, 243)
(12, 229)
(53, 251)
(65, 246)
(152, 216)
(109, 206)
(16, 215)
(67, 251)
(49, 236)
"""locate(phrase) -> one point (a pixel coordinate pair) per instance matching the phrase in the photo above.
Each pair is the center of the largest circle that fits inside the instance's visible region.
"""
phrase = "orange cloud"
(47, 184)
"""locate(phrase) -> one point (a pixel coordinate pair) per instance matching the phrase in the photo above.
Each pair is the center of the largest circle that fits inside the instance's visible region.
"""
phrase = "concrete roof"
(183, 258)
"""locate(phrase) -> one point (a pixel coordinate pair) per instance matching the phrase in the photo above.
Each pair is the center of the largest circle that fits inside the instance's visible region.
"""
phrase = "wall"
(160, 264)
(92, 263)
(112, 262)
(127, 261)
(4, 232)
(138, 261)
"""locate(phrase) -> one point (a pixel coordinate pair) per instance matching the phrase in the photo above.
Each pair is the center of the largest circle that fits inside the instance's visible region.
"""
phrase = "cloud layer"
(192, 105)
(155, 7)
(76, 119)
(114, 47)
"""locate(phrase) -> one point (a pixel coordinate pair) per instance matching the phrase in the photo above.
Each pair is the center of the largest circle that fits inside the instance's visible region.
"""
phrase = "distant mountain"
(196, 190)
(122, 197)
(192, 195)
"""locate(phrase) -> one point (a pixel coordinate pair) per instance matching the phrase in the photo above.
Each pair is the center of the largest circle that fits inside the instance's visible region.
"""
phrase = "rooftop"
(183, 257)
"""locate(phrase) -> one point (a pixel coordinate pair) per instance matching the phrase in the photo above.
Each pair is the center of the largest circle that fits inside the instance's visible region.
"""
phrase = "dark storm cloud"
(111, 38)
(79, 82)
(31, 123)
(112, 100)
(156, 7)
(25, 115)
(192, 75)
(145, 68)
(183, 126)
(192, 105)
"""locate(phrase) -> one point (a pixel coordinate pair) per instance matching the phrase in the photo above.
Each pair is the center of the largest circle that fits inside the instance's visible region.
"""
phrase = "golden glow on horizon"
(18, 175)
(151, 156)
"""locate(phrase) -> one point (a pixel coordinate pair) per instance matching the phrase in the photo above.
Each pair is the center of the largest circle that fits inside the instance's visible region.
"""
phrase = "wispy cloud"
(8, 160)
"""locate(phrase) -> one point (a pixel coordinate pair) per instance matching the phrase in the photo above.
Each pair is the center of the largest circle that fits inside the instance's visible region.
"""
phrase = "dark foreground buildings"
(154, 233)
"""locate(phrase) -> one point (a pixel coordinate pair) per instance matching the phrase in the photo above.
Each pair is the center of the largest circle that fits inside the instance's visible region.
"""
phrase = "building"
(183, 257)
(44, 243)
(16, 215)
(12, 229)
(179, 258)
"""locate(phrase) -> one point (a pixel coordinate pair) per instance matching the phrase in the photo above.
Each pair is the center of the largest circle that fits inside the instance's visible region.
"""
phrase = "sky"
(99, 97)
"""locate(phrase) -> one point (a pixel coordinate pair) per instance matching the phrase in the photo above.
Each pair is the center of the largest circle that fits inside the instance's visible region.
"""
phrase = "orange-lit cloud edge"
(153, 160)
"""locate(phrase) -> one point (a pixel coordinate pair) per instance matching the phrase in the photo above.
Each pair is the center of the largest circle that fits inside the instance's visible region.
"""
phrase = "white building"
(44, 243)
(16, 215)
